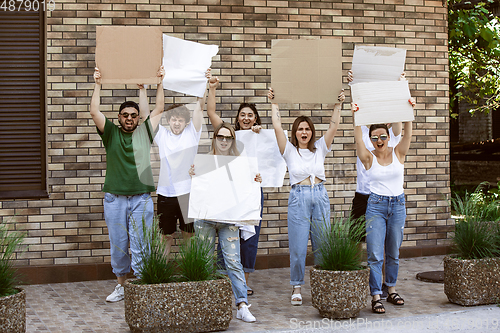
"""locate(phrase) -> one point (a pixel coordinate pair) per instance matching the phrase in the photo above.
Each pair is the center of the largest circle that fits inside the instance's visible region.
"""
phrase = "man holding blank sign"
(129, 179)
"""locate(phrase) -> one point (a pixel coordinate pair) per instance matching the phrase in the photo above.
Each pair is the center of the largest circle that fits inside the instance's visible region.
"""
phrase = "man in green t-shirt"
(129, 179)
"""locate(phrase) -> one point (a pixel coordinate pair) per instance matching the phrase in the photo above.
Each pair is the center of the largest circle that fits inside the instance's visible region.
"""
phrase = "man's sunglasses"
(125, 115)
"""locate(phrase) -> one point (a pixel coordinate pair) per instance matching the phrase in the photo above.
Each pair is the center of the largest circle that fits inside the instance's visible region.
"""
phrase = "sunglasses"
(222, 137)
(382, 137)
(125, 115)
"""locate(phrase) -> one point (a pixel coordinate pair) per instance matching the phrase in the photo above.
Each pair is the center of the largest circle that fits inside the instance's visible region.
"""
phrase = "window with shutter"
(23, 161)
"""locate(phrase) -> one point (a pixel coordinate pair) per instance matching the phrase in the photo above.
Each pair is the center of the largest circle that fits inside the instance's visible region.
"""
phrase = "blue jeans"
(385, 221)
(124, 215)
(229, 236)
(248, 248)
(308, 213)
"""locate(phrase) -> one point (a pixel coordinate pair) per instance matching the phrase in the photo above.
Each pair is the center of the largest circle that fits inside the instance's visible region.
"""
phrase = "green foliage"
(477, 231)
(339, 248)
(9, 243)
(198, 261)
(156, 267)
(474, 55)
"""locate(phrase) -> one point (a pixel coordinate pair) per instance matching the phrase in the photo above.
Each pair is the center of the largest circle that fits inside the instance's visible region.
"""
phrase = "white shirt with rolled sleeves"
(177, 153)
(363, 181)
(304, 163)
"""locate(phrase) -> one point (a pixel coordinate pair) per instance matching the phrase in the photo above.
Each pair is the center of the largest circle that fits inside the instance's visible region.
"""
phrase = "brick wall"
(68, 227)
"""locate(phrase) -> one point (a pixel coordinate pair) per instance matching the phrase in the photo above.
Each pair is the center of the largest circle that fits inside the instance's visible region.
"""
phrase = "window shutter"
(23, 171)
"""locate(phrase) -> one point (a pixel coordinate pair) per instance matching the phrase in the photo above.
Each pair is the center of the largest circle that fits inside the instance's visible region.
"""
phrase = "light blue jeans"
(385, 221)
(308, 213)
(124, 215)
(229, 238)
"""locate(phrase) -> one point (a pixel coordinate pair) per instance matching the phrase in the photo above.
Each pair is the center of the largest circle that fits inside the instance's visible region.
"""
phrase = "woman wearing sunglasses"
(247, 119)
(224, 143)
(385, 212)
(308, 203)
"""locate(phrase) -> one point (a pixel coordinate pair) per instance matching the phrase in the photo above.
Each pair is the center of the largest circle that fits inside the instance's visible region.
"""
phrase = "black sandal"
(377, 305)
(395, 299)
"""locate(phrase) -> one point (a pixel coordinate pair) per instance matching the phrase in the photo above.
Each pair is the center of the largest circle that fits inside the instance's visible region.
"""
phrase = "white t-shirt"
(363, 181)
(177, 154)
(304, 164)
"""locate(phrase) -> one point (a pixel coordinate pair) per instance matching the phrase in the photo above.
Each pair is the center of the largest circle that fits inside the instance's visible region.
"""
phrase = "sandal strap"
(396, 297)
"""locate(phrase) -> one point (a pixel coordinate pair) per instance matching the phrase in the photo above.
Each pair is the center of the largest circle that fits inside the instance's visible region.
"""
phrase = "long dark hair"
(254, 109)
(295, 126)
(375, 126)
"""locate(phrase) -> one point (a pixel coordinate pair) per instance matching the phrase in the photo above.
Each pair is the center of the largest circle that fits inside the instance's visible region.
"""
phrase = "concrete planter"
(472, 282)
(13, 312)
(339, 294)
(200, 306)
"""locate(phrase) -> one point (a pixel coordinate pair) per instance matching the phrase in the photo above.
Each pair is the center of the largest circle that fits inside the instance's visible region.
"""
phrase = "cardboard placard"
(377, 63)
(129, 54)
(382, 102)
(306, 70)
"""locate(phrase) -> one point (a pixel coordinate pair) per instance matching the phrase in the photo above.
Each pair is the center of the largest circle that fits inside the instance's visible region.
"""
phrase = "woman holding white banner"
(224, 143)
(385, 212)
(308, 203)
(247, 118)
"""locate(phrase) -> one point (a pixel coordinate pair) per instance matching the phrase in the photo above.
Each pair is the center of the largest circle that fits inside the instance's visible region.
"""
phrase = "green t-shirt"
(128, 163)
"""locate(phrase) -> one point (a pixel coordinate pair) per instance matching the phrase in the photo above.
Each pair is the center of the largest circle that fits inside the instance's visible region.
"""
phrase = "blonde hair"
(233, 151)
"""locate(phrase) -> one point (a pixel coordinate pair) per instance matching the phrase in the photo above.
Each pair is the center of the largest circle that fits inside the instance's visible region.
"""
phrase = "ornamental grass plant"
(9, 243)
(477, 229)
(195, 261)
(339, 246)
(156, 268)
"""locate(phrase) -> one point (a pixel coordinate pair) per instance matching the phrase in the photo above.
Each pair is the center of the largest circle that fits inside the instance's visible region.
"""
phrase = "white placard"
(382, 102)
(185, 65)
(263, 146)
(224, 190)
(376, 63)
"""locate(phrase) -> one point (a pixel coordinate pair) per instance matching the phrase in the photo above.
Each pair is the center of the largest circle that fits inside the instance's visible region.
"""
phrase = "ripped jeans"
(229, 237)
(385, 221)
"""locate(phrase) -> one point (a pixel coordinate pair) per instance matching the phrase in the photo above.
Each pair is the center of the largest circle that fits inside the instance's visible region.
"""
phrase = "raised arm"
(160, 100)
(213, 81)
(95, 103)
(275, 116)
(364, 154)
(198, 112)
(334, 120)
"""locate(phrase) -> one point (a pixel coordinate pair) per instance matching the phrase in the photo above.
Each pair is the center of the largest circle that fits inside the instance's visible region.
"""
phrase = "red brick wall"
(68, 227)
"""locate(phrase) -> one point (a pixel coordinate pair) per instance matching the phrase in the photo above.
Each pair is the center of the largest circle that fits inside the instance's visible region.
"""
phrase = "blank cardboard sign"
(306, 70)
(377, 63)
(129, 54)
(381, 102)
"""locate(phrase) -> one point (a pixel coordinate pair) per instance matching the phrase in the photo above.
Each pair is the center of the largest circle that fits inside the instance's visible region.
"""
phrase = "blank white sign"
(382, 102)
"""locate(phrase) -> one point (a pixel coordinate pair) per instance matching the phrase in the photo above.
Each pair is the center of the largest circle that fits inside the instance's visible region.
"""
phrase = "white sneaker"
(244, 314)
(116, 295)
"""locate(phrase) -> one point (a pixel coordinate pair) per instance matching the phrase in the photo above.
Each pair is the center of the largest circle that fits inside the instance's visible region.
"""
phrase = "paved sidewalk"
(81, 307)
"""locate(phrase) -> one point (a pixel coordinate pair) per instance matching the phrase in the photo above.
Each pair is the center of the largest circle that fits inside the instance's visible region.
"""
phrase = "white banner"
(223, 189)
(376, 63)
(263, 146)
(185, 65)
(382, 102)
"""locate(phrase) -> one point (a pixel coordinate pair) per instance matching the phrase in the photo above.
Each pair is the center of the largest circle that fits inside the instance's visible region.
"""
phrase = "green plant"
(477, 235)
(197, 260)
(156, 268)
(9, 243)
(339, 245)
